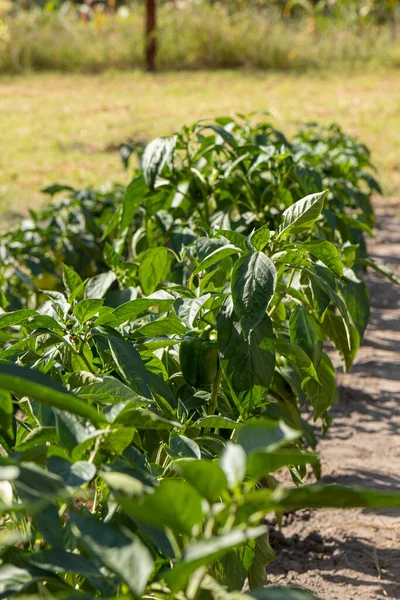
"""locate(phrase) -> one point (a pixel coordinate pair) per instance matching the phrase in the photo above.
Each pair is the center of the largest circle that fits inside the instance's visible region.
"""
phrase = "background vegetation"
(294, 36)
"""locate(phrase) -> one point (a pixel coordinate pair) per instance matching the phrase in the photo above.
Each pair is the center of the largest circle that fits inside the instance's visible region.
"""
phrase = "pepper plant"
(149, 396)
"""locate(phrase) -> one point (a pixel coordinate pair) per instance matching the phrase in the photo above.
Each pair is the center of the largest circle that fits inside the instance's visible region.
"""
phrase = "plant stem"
(214, 392)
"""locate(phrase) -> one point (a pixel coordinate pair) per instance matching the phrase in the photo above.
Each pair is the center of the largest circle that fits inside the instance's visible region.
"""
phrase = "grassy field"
(67, 128)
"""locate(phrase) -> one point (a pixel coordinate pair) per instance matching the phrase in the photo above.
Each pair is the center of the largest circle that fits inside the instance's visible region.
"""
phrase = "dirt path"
(356, 554)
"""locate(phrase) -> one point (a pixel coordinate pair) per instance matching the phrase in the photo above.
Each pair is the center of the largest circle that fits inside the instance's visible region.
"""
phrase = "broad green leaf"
(134, 308)
(309, 179)
(167, 326)
(306, 332)
(333, 496)
(7, 417)
(188, 309)
(134, 196)
(154, 268)
(261, 462)
(356, 296)
(31, 319)
(334, 328)
(173, 504)
(302, 214)
(28, 382)
(245, 363)
(253, 286)
(216, 422)
(133, 369)
(259, 238)
(233, 463)
(60, 561)
(206, 552)
(266, 435)
(157, 154)
(183, 447)
(234, 237)
(105, 389)
(215, 257)
(119, 550)
(327, 253)
(14, 579)
(87, 309)
(298, 358)
(380, 268)
(322, 394)
(74, 474)
(72, 281)
(318, 275)
(98, 286)
(263, 555)
(205, 476)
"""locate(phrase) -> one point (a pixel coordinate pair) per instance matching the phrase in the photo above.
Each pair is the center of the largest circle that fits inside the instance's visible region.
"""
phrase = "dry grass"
(67, 128)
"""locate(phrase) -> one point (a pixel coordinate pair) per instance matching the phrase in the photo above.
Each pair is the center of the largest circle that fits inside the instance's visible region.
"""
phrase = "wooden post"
(150, 40)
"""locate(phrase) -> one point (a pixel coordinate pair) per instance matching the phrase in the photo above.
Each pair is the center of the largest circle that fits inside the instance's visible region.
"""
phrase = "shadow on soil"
(336, 560)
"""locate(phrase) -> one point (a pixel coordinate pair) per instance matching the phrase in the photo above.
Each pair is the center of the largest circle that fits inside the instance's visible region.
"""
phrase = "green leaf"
(261, 462)
(216, 422)
(134, 196)
(266, 435)
(333, 496)
(233, 463)
(245, 363)
(215, 257)
(356, 296)
(309, 179)
(119, 550)
(60, 561)
(167, 326)
(134, 308)
(188, 309)
(322, 394)
(306, 333)
(334, 328)
(298, 358)
(327, 253)
(319, 275)
(259, 238)
(205, 476)
(158, 153)
(74, 474)
(206, 552)
(263, 555)
(15, 579)
(31, 319)
(302, 214)
(234, 237)
(173, 504)
(380, 268)
(87, 309)
(28, 382)
(183, 447)
(133, 369)
(98, 286)
(7, 417)
(154, 268)
(72, 281)
(253, 287)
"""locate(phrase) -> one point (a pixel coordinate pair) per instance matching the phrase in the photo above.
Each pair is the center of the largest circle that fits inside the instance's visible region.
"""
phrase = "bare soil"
(355, 554)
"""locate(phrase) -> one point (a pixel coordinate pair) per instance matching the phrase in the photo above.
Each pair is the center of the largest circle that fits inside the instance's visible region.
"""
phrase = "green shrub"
(137, 464)
(195, 37)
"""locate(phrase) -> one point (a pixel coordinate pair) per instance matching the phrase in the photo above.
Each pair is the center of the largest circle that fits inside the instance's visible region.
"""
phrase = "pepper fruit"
(198, 356)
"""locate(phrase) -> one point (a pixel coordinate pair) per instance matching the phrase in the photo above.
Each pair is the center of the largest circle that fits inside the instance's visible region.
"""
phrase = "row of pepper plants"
(164, 355)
